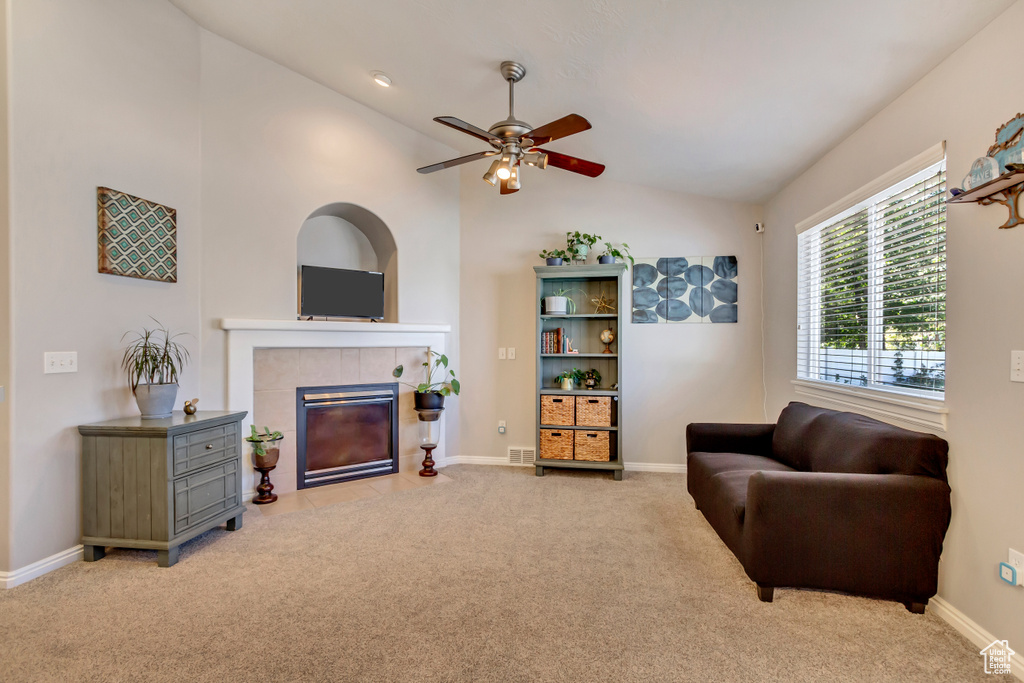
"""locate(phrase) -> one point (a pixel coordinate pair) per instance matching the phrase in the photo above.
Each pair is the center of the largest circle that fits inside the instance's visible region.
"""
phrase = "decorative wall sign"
(137, 237)
(685, 289)
(1009, 145)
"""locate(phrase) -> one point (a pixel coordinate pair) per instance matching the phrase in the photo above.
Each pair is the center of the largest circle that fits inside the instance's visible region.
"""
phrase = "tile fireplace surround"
(269, 359)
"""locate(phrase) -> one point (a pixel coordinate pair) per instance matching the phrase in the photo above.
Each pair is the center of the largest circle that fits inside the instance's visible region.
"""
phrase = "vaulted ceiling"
(725, 98)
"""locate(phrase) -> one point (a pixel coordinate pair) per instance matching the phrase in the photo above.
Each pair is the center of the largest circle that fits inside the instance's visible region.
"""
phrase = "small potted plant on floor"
(555, 257)
(611, 253)
(153, 361)
(579, 243)
(430, 394)
(266, 450)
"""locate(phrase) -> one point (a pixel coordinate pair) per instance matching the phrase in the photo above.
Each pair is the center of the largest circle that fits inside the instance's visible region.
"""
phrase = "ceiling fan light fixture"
(381, 79)
(538, 159)
(504, 170)
(492, 173)
(513, 179)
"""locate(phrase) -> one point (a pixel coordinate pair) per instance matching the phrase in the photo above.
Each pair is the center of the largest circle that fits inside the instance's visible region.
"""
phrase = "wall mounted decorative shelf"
(1005, 190)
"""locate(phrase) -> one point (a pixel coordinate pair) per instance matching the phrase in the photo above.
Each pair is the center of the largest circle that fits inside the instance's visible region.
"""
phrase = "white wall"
(962, 101)
(332, 242)
(674, 374)
(276, 147)
(101, 93)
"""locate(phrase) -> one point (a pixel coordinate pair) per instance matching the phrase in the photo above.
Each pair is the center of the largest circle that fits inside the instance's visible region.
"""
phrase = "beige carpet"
(494, 576)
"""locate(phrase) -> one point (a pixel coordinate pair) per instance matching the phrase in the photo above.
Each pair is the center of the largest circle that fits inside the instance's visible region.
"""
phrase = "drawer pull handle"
(556, 400)
(591, 436)
(209, 446)
(592, 400)
(556, 433)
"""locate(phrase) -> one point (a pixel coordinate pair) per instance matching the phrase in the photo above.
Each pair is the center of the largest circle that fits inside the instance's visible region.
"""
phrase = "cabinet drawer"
(557, 410)
(205, 494)
(556, 444)
(204, 447)
(594, 411)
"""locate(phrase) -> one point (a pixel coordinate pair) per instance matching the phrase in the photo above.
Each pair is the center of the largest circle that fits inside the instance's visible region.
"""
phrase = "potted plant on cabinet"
(430, 394)
(153, 361)
(555, 257)
(611, 254)
(579, 243)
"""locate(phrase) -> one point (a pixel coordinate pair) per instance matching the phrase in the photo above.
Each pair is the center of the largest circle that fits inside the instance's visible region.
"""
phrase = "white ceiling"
(725, 98)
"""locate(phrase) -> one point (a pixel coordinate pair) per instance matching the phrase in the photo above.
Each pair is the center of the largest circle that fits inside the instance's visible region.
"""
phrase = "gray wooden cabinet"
(158, 483)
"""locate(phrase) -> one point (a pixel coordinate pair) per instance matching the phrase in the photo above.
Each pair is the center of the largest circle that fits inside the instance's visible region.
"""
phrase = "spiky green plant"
(259, 440)
(446, 386)
(153, 357)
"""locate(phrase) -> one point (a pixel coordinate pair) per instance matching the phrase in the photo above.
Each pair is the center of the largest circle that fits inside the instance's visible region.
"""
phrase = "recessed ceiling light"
(381, 79)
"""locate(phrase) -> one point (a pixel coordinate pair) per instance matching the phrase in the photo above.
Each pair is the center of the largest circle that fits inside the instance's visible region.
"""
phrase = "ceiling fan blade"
(455, 162)
(563, 127)
(459, 124)
(505, 188)
(568, 163)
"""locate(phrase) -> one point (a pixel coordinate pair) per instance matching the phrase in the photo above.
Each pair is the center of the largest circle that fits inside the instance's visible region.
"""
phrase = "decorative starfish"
(604, 304)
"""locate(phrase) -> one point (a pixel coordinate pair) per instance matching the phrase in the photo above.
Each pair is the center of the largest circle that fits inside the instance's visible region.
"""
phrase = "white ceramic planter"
(556, 305)
(155, 400)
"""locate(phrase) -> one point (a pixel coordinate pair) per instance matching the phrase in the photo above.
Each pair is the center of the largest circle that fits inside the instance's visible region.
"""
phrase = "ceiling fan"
(518, 143)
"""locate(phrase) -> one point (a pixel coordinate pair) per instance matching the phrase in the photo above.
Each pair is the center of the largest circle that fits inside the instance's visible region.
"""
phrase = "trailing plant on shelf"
(621, 252)
(153, 361)
(559, 302)
(559, 255)
(574, 376)
(430, 394)
(579, 243)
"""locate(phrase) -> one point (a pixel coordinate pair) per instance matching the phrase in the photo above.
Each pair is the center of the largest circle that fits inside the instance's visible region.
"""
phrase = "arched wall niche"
(343, 235)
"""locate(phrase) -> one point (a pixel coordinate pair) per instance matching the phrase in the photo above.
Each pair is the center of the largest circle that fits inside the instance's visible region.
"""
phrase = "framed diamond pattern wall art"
(137, 237)
(685, 289)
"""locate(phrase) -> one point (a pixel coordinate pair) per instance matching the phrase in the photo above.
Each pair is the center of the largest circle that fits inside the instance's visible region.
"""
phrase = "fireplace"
(345, 432)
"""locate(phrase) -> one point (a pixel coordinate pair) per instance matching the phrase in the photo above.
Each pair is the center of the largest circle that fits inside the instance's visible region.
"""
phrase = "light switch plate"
(1017, 366)
(511, 353)
(60, 361)
(501, 353)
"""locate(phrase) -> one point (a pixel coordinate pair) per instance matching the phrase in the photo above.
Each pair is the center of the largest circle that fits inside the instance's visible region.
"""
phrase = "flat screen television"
(339, 293)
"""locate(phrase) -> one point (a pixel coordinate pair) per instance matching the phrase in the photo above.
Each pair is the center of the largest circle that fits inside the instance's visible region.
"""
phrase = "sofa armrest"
(713, 437)
(875, 534)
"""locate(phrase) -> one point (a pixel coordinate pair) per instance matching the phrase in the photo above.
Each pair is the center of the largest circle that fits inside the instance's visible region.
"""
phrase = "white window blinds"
(871, 293)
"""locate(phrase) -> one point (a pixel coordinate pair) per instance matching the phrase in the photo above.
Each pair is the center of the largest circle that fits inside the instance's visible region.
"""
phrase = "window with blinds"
(871, 293)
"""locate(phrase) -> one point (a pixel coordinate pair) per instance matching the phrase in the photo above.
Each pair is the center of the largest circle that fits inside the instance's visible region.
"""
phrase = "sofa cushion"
(701, 467)
(792, 438)
(821, 440)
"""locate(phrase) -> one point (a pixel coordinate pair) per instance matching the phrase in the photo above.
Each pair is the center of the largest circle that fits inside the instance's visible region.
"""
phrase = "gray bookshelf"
(584, 327)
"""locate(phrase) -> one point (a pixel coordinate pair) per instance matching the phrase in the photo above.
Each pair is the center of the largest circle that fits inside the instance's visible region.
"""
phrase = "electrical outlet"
(511, 353)
(501, 353)
(60, 361)
(1016, 559)
(501, 426)
(1007, 573)
(1017, 366)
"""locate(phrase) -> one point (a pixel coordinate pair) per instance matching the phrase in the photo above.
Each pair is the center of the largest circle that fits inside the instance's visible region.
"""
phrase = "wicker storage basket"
(556, 444)
(592, 446)
(594, 411)
(557, 410)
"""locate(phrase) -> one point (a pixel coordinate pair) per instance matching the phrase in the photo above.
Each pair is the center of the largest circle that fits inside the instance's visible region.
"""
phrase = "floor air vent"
(522, 456)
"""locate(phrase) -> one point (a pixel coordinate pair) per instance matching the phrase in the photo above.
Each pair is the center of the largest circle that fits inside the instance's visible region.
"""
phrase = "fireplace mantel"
(245, 335)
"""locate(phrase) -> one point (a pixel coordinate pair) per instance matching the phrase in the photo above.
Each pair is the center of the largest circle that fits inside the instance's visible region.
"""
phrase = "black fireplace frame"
(342, 392)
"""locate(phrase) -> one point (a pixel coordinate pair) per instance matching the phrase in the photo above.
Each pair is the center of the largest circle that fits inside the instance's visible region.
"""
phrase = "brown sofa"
(825, 500)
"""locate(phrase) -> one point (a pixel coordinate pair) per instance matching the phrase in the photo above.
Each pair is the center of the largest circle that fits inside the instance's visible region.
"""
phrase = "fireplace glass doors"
(346, 432)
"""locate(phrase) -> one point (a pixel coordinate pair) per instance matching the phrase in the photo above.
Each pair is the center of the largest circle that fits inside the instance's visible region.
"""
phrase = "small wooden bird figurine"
(190, 406)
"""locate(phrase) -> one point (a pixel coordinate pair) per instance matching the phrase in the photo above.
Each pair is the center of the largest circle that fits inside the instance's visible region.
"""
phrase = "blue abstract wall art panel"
(685, 289)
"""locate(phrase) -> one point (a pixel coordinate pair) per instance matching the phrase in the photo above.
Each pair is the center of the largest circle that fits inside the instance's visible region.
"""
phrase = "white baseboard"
(480, 460)
(667, 467)
(970, 629)
(43, 566)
